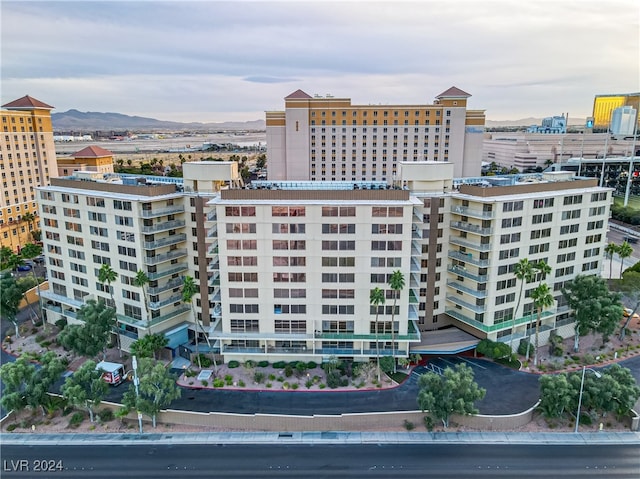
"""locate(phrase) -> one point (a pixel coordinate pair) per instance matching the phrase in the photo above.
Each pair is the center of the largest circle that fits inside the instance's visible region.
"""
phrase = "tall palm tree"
(540, 269)
(189, 289)
(396, 283)
(376, 298)
(141, 280)
(610, 250)
(106, 274)
(30, 251)
(524, 271)
(624, 251)
(542, 298)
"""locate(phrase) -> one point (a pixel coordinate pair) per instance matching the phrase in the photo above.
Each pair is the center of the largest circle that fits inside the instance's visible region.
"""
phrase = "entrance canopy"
(444, 341)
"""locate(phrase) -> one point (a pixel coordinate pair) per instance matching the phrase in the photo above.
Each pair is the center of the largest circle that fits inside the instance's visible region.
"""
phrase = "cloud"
(215, 58)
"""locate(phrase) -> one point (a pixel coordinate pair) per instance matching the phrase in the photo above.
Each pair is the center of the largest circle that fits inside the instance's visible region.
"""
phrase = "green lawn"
(634, 201)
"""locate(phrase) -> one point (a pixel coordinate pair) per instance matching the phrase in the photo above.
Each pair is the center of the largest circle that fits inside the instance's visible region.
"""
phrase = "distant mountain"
(528, 122)
(74, 120)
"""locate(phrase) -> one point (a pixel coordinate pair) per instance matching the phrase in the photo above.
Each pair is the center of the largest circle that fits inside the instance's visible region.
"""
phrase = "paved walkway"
(327, 438)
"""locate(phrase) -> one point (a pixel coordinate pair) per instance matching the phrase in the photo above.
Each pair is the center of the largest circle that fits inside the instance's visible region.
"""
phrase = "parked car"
(630, 239)
(627, 312)
(24, 267)
(39, 259)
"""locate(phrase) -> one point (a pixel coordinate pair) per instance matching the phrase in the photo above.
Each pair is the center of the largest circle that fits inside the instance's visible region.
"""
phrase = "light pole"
(136, 383)
(584, 370)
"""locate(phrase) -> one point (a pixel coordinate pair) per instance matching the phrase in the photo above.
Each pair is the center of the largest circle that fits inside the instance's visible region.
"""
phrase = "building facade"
(623, 121)
(27, 160)
(285, 268)
(604, 105)
(329, 139)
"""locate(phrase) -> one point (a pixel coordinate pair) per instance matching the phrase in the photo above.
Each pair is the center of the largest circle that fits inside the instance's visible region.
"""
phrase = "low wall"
(339, 422)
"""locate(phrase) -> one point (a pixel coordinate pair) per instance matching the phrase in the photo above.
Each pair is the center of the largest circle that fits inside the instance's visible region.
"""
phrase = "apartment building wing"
(88, 222)
(331, 139)
(555, 218)
(293, 265)
(27, 160)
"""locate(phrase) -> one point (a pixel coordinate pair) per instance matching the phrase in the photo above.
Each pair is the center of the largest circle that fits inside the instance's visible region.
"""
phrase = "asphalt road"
(311, 461)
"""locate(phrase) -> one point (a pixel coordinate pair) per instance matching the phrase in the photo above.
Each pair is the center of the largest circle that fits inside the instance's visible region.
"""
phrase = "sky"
(214, 61)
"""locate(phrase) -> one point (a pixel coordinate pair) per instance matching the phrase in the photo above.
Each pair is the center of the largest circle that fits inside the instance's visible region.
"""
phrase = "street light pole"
(584, 370)
(136, 383)
(633, 157)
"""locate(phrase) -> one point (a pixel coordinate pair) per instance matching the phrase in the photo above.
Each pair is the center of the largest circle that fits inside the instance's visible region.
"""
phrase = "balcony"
(466, 211)
(473, 307)
(470, 227)
(213, 231)
(156, 212)
(468, 258)
(213, 266)
(163, 226)
(472, 292)
(169, 240)
(213, 249)
(155, 305)
(215, 280)
(413, 299)
(463, 272)
(167, 272)
(171, 284)
(142, 324)
(161, 258)
(468, 244)
(212, 215)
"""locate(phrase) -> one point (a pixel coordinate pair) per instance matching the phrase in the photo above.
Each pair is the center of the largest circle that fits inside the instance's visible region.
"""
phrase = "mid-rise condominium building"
(330, 139)
(27, 160)
(285, 269)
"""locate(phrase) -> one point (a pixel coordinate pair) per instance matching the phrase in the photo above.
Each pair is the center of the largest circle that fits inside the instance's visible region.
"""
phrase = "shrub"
(285, 385)
(522, 347)
(258, 376)
(249, 364)
(268, 385)
(263, 364)
(218, 383)
(312, 365)
(76, 419)
(233, 364)
(106, 415)
(61, 324)
(294, 386)
(279, 365)
(228, 379)
(301, 368)
(333, 379)
(408, 425)
(322, 385)
(428, 423)
(40, 338)
(205, 383)
(288, 370)
(11, 427)
(241, 383)
(204, 361)
(272, 377)
(309, 383)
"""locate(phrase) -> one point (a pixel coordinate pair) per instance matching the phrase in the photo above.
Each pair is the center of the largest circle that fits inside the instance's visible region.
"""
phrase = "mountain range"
(74, 120)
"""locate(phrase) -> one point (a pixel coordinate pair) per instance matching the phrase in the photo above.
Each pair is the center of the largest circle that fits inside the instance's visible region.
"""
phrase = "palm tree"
(525, 273)
(396, 283)
(189, 289)
(540, 269)
(141, 280)
(542, 298)
(106, 274)
(30, 251)
(610, 250)
(376, 298)
(29, 218)
(624, 251)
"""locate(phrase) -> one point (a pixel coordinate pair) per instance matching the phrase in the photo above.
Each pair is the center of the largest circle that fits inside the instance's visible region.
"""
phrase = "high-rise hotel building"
(27, 160)
(285, 268)
(329, 139)
(604, 105)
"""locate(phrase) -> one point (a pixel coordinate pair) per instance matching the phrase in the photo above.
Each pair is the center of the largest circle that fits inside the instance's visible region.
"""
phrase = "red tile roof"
(27, 102)
(92, 152)
(298, 95)
(454, 92)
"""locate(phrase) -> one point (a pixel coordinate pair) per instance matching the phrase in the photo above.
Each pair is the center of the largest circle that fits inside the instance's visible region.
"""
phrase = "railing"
(473, 292)
(162, 211)
(166, 272)
(140, 323)
(212, 215)
(468, 258)
(174, 283)
(160, 258)
(471, 228)
(165, 225)
(212, 232)
(463, 272)
(468, 244)
(495, 327)
(466, 211)
(170, 300)
(169, 240)
(473, 307)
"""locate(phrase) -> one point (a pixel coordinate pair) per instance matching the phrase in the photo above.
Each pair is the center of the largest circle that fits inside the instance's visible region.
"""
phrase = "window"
(122, 205)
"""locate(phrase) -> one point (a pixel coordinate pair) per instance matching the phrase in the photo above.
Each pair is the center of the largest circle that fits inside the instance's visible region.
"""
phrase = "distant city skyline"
(214, 61)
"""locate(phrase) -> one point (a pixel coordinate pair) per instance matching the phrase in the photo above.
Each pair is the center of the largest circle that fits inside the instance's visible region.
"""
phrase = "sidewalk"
(320, 437)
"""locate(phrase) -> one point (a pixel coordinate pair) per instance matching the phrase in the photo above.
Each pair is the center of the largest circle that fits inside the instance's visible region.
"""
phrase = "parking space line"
(471, 362)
